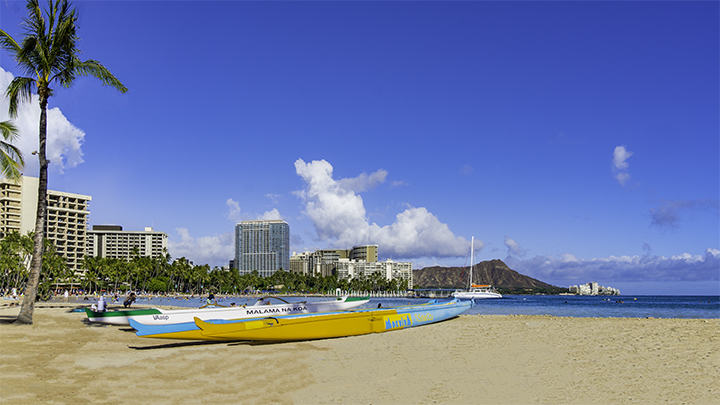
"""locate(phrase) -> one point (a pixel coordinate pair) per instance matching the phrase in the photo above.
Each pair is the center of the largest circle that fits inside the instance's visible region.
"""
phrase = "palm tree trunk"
(28, 304)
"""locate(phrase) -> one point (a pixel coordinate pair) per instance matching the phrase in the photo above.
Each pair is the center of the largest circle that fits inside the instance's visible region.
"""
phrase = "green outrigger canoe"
(118, 317)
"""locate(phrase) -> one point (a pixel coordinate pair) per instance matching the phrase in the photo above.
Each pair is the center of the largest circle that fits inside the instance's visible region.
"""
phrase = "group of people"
(101, 305)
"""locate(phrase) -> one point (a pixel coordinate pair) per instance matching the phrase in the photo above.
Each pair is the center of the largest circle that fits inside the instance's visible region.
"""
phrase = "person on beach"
(101, 304)
(129, 300)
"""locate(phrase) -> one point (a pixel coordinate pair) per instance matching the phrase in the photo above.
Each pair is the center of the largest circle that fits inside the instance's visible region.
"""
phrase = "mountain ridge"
(494, 272)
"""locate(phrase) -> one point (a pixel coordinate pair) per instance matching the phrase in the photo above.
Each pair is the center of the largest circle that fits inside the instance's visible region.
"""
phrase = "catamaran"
(476, 291)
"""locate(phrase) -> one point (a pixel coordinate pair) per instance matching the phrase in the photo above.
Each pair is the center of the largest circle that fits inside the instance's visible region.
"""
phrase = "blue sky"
(577, 141)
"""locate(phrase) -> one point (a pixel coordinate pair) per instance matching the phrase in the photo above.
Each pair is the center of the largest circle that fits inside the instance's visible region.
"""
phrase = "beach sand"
(473, 359)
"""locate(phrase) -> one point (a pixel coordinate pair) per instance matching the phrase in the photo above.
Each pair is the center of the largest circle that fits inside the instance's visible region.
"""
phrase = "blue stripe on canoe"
(144, 330)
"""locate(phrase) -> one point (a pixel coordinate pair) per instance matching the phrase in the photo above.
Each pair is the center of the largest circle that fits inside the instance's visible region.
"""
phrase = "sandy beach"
(473, 359)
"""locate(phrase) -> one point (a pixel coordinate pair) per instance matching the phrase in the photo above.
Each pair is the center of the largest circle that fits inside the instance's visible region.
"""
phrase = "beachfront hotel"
(390, 270)
(349, 263)
(112, 242)
(323, 262)
(593, 288)
(262, 245)
(67, 225)
(67, 216)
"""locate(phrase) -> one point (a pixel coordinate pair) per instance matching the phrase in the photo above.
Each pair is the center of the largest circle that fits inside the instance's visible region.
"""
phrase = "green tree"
(54, 270)
(15, 256)
(11, 158)
(48, 55)
(91, 277)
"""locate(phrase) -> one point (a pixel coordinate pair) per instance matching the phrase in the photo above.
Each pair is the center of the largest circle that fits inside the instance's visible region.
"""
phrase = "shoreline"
(659, 307)
(471, 359)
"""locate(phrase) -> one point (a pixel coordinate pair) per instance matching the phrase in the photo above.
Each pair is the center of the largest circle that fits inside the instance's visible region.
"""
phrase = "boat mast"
(472, 264)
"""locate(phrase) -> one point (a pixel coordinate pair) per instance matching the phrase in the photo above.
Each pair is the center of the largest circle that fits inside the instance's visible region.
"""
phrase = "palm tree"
(48, 55)
(11, 159)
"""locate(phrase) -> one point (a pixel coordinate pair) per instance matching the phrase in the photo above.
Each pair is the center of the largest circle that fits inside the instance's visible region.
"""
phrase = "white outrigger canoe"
(261, 308)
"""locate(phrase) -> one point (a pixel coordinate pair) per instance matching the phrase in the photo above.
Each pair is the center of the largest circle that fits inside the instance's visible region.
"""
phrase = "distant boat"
(309, 326)
(262, 307)
(476, 291)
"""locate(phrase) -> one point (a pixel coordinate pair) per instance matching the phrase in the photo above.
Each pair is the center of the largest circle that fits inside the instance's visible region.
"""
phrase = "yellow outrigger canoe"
(310, 326)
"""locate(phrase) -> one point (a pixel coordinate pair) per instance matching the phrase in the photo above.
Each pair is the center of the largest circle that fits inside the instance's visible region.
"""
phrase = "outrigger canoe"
(118, 317)
(309, 326)
(262, 307)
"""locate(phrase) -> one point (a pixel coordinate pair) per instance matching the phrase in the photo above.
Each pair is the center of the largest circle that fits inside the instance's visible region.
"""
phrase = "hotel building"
(112, 242)
(593, 288)
(350, 263)
(67, 216)
(324, 261)
(262, 245)
(390, 270)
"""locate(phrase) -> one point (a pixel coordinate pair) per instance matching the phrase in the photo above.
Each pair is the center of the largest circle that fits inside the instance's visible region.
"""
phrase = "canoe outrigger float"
(309, 326)
(262, 307)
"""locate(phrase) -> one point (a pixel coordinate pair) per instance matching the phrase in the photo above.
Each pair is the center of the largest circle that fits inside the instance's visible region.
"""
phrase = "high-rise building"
(262, 245)
(67, 216)
(111, 241)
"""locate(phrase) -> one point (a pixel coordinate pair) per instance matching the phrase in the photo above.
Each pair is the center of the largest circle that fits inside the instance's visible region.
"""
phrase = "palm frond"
(94, 68)
(19, 90)
(11, 158)
(49, 53)
(9, 131)
(8, 43)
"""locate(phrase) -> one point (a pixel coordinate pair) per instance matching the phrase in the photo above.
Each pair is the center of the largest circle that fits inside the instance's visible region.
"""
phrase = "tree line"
(163, 275)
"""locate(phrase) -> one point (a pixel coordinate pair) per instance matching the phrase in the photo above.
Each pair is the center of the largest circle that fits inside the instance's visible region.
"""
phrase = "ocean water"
(641, 306)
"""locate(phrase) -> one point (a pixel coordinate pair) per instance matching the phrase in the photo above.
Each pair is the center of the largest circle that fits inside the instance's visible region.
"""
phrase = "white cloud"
(567, 270)
(339, 217)
(234, 213)
(622, 178)
(620, 156)
(215, 250)
(64, 140)
(620, 166)
(363, 182)
(514, 248)
(568, 258)
(272, 214)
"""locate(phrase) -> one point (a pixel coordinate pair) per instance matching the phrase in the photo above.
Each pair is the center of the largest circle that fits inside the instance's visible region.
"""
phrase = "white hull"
(252, 311)
(476, 292)
(475, 295)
